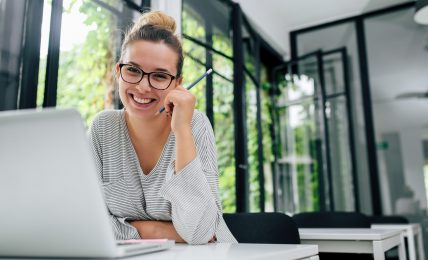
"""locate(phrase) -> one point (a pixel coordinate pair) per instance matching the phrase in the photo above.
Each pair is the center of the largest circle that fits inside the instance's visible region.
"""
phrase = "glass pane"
(44, 45)
(89, 41)
(193, 68)
(223, 66)
(333, 74)
(210, 25)
(222, 43)
(268, 157)
(193, 25)
(252, 144)
(248, 45)
(299, 143)
(224, 133)
(327, 39)
(11, 24)
(194, 51)
(397, 55)
(341, 164)
(214, 16)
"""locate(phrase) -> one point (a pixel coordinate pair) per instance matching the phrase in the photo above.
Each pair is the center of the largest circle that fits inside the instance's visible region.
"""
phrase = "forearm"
(185, 148)
(156, 229)
(194, 210)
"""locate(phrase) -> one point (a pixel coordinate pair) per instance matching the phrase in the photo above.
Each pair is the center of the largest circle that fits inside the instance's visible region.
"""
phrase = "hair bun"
(157, 18)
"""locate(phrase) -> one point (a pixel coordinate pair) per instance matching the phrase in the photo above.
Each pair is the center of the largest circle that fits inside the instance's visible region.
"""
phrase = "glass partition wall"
(385, 62)
(398, 72)
(315, 163)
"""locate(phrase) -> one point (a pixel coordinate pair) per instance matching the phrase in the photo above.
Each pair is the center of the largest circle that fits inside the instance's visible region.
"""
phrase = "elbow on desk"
(199, 234)
(200, 241)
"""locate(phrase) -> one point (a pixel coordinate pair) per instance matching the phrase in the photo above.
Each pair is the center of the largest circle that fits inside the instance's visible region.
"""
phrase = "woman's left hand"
(179, 104)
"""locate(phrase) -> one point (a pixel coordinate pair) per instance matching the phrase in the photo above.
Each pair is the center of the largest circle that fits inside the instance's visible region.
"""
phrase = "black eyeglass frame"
(145, 73)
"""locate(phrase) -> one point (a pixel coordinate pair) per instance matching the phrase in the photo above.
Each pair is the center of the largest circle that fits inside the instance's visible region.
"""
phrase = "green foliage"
(223, 110)
(252, 144)
(223, 98)
(86, 81)
(300, 144)
(224, 132)
(85, 75)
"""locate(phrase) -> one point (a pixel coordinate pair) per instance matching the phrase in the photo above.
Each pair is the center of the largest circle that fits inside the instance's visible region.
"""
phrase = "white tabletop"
(346, 233)
(413, 226)
(233, 251)
(410, 231)
(355, 240)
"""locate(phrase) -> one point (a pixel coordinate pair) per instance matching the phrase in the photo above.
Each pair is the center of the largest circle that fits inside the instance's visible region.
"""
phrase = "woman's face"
(141, 100)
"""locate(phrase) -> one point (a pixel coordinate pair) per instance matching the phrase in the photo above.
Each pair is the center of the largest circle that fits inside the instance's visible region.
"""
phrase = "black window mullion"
(368, 117)
(31, 55)
(209, 100)
(241, 164)
(260, 152)
(52, 65)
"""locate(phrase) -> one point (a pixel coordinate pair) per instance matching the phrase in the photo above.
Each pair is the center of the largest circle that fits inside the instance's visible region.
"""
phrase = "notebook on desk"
(51, 201)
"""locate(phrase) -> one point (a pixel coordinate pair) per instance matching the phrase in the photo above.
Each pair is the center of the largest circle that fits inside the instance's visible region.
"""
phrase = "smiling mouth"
(142, 101)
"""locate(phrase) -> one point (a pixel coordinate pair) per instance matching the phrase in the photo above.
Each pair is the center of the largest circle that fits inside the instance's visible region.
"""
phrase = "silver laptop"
(51, 201)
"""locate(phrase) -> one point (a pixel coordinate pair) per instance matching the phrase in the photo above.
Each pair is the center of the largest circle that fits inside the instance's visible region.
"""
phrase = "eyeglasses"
(132, 74)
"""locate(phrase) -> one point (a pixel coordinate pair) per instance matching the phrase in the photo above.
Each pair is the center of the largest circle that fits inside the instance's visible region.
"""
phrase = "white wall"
(171, 7)
(413, 160)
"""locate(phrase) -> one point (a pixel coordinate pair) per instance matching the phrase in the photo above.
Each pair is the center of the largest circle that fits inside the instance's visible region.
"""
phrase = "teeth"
(142, 100)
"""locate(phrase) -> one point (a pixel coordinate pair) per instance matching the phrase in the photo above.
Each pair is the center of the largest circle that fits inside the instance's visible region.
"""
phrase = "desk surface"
(405, 227)
(410, 231)
(222, 251)
(347, 233)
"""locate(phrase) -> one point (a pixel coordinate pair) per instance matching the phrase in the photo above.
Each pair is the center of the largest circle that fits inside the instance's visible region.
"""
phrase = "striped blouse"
(189, 198)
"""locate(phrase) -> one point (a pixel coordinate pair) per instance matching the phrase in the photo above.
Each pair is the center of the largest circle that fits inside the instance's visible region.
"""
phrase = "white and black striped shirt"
(189, 198)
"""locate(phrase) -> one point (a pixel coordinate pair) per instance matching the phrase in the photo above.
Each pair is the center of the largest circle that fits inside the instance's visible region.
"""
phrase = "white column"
(171, 7)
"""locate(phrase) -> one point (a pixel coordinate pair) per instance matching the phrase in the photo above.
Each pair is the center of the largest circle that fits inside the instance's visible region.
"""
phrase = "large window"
(208, 43)
(198, 34)
(90, 40)
(12, 21)
(68, 57)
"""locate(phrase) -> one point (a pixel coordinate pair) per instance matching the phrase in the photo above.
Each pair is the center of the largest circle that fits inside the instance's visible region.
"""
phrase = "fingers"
(179, 97)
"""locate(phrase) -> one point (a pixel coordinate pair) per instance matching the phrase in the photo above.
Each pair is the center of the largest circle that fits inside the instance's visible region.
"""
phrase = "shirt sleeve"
(122, 229)
(193, 191)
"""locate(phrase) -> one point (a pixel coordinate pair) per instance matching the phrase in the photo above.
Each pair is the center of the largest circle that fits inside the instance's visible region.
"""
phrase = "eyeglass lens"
(134, 75)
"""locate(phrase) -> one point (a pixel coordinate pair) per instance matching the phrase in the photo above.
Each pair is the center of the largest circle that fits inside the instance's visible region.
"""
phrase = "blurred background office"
(316, 105)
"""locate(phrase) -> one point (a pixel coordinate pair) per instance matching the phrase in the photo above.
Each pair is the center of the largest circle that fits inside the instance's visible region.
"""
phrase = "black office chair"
(390, 219)
(262, 228)
(332, 220)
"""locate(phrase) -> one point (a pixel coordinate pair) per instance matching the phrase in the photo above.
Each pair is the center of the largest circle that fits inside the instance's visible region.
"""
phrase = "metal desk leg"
(420, 244)
(378, 251)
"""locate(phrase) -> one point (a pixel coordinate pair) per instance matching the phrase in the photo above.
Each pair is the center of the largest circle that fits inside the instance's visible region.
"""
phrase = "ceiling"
(274, 19)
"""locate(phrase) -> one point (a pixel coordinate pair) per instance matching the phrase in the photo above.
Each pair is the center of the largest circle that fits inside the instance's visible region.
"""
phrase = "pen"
(208, 72)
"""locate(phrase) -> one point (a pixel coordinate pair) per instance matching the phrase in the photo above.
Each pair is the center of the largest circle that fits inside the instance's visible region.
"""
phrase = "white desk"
(221, 251)
(354, 240)
(410, 231)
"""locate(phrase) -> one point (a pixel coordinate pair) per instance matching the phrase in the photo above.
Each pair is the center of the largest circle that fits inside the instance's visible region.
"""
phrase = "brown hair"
(155, 26)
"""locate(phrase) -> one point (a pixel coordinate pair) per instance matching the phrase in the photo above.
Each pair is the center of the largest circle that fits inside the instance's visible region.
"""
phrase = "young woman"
(159, 170)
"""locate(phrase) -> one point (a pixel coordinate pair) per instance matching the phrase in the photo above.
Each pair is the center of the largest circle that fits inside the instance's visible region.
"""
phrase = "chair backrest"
(332, 220)
(263, 228)
(388, 219)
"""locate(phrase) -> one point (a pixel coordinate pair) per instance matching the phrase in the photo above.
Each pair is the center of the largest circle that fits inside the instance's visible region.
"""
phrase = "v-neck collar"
(131, 146)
